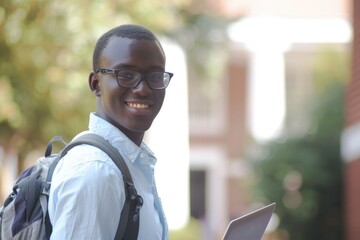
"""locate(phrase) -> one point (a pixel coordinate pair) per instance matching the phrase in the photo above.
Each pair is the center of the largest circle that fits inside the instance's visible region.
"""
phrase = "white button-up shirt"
(87, 191)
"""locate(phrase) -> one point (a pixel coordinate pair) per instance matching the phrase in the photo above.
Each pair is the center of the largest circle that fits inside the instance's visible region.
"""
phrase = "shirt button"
(142, 155)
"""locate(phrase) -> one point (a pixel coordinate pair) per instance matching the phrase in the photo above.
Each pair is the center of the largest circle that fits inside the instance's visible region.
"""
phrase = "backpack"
(24, 214)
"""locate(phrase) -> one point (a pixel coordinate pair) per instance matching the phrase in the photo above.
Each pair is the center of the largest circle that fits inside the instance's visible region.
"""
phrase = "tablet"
(250, 226)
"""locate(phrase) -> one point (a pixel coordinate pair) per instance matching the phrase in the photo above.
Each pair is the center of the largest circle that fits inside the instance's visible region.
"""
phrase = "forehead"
(125, 51)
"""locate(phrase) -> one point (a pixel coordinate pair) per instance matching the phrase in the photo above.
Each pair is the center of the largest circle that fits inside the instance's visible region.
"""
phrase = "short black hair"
(126, 31)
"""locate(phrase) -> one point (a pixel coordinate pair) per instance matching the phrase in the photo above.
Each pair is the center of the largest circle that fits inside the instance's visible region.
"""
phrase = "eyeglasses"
(130, 78)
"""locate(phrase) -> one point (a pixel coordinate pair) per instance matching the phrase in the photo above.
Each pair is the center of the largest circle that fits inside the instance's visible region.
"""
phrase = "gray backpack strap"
(130, 216)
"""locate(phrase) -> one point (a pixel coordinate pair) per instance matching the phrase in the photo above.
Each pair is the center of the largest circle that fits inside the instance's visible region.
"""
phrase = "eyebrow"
(134, 67)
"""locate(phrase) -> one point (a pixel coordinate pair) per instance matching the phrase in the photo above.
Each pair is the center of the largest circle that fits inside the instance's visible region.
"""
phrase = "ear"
(94, 84)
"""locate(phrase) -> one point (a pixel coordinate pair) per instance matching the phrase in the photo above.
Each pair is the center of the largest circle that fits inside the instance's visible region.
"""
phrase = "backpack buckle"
(136, 201)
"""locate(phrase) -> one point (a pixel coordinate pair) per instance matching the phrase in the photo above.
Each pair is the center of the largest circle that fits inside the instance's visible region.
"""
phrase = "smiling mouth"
(137, 105)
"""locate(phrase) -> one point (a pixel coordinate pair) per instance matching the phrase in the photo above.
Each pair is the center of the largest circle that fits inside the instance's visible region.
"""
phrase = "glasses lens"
(158, 80)
(128, 78)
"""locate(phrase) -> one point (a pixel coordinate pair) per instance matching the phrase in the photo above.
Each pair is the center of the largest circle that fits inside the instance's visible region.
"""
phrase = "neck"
(136, 137)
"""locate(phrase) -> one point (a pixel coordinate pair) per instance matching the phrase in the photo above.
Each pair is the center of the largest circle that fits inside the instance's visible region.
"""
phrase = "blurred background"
(264, 105)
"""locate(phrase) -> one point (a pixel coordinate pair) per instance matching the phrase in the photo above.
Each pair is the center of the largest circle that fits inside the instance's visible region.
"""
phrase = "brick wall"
(353, 93)
(351, 137)
(352, 196)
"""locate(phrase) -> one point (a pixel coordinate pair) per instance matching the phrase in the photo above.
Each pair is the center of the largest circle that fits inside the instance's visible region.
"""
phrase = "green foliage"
(330, 66)
(304, 174)
(43, 74)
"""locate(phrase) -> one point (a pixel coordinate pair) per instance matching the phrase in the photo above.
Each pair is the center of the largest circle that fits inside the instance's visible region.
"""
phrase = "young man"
(87, 192)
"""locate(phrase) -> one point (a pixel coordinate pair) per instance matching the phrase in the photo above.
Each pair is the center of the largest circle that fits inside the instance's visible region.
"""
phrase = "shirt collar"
(118, 139)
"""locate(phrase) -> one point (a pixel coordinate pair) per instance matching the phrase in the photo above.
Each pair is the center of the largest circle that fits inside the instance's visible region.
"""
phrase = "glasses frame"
(142, 77)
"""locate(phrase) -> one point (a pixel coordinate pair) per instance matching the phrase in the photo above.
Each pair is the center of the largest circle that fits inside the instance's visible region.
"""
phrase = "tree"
(41, 75)
(304, 174)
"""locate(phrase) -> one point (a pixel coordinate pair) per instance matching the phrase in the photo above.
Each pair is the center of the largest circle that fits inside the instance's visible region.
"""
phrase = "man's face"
(132, 110)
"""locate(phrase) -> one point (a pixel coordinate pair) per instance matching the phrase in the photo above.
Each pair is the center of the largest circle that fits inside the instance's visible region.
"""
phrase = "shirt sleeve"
(85, 201)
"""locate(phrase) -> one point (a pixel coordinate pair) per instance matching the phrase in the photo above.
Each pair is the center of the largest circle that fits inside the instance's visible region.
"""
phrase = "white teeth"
(138, 105)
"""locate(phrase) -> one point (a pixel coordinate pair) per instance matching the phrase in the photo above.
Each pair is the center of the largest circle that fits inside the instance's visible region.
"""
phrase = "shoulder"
(86, 162)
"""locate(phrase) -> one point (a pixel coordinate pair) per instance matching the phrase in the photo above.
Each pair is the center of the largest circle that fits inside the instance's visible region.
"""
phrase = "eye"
(127, 75)
(157, 76)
